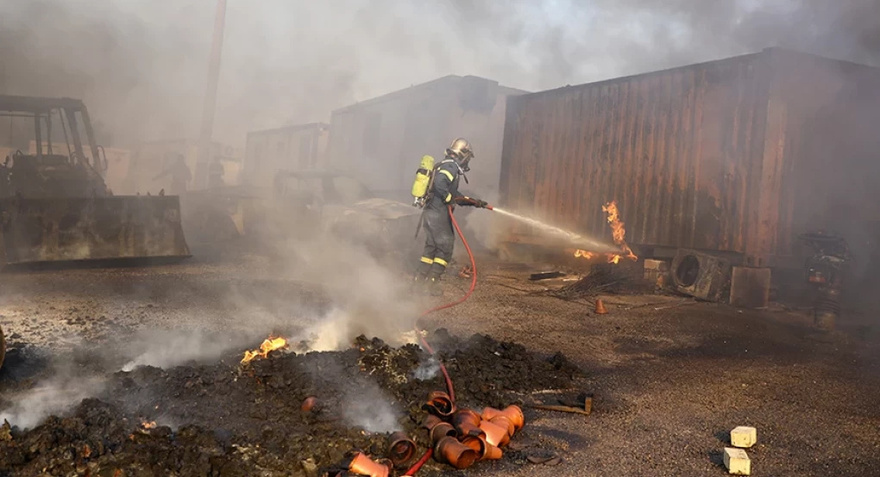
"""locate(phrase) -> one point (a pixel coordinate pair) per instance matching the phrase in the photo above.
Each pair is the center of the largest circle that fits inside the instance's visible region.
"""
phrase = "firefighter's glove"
(480, 203)
(469, 201)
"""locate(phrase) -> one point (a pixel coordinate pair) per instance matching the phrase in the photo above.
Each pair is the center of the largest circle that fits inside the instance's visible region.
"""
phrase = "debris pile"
(286, 414)
(601, 279)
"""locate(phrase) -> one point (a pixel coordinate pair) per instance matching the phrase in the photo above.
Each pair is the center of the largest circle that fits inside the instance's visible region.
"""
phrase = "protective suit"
(443, 195)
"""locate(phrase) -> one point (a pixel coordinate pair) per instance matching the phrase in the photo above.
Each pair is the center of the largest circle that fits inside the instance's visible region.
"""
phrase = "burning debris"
(270, 344)
(618, 233)
(286, 416)
(584, 254)
(600, 279)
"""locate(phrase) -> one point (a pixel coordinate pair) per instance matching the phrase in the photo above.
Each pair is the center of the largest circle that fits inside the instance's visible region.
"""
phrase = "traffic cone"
(600, 307)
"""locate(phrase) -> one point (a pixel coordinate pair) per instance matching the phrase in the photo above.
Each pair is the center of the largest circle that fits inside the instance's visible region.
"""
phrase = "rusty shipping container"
(738, 155)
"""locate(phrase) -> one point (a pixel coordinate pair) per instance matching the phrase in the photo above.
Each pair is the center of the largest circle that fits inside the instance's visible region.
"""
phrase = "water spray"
(573, 238)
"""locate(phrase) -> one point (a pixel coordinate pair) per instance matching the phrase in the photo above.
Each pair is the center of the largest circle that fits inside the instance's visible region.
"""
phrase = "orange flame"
(618, 233)
(271, 343)
(148, 424)
(583, 253)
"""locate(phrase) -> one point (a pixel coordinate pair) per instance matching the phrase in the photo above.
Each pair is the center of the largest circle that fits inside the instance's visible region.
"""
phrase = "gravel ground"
(670, 376)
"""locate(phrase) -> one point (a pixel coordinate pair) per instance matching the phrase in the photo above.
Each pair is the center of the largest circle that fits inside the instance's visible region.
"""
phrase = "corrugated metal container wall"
(672, 148)
(381, 140)
(699, 157)
(824, 154)
(287, 148)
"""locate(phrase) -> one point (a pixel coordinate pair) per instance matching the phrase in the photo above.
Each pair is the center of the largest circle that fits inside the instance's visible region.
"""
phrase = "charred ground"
(670, 377)
(225, 418)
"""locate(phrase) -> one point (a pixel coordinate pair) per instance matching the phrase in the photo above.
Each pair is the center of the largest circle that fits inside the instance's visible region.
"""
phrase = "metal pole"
(206, 134)
(37, 136)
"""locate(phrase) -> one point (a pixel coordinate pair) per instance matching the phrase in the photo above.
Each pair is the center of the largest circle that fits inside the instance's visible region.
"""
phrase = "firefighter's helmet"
(461, 151)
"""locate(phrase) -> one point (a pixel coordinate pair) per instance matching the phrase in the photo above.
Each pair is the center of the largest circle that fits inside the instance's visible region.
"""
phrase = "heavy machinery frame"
(55, 206)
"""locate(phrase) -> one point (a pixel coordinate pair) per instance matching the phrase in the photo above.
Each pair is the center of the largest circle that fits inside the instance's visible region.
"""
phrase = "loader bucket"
(106, 230)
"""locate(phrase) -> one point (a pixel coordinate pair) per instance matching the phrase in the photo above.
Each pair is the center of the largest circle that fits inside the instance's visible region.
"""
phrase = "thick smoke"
(65, 386)
(368, 297)
(54, 396)
(165, 348)
(142, 64)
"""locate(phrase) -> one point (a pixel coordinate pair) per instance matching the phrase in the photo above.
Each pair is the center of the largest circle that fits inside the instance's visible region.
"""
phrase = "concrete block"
(737, 461)
(658, 265)
(743, 437)
(750, 287)
(655, 272)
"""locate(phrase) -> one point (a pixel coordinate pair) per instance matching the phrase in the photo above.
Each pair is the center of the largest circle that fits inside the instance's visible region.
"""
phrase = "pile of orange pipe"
(462, 437)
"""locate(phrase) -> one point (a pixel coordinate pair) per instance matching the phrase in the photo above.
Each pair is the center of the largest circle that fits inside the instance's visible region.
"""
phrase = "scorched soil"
(228, 419)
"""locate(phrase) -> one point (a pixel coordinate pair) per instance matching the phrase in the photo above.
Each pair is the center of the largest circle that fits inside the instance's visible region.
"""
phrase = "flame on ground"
(584, 254)
(618, 233)
(271, 343)
(148, 424)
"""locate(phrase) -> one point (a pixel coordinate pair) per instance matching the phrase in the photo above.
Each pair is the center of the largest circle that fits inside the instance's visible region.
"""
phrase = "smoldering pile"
(288, 414)
(605, 279)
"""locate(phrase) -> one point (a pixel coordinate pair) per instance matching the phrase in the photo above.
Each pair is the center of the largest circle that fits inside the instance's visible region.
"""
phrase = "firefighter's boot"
(420, 278)
(434, 287)
(418, 283)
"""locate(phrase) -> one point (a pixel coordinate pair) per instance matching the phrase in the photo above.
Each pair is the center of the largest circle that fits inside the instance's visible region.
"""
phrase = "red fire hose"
(449, 388)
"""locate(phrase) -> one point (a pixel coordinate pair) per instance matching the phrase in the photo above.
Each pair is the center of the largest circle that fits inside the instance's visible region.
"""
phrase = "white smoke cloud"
(427, 369)
(165, 348)
(54, 396)
(142, 64)
(370, 409)
(368, 297)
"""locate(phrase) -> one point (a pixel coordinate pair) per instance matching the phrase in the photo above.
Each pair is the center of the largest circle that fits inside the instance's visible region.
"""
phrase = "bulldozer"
(55, 207)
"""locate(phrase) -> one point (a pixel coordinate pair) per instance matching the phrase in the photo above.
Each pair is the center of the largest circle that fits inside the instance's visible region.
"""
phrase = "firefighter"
(440, 236)
(215, 174)
(180, 175)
